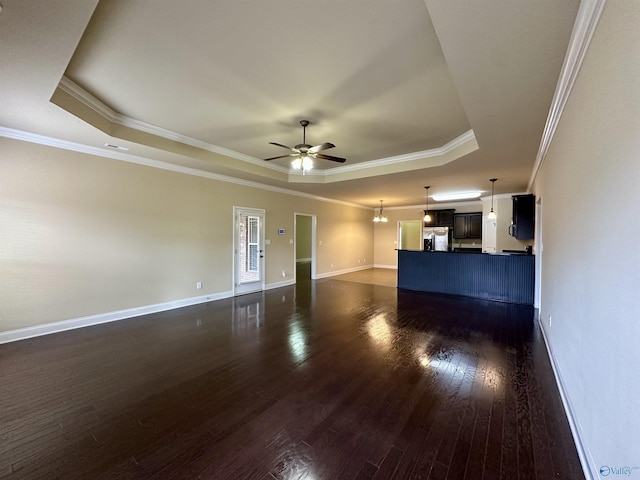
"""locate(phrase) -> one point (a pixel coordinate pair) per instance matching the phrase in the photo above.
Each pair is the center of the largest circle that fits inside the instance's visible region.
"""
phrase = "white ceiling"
(445, 93)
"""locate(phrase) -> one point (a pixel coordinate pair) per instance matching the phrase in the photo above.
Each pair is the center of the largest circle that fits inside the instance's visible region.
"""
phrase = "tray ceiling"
(413, 92)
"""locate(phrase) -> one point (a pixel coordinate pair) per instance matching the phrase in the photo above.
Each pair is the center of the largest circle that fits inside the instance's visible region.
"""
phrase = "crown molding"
(583, 30)
(148, 162)
(468, 136)
(94, 104)
(80, 94)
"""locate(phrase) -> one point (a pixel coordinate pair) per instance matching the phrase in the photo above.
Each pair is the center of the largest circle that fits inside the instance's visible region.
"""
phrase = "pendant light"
(380, 217)
(492, 215)
(427, 217)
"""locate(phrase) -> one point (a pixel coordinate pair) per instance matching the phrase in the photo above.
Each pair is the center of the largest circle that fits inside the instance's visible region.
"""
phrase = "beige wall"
(83, 235)
(385, 236)
(589, 192)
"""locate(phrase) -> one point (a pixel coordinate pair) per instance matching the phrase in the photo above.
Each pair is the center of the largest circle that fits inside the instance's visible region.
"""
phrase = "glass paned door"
(253, 245)
(248, 251)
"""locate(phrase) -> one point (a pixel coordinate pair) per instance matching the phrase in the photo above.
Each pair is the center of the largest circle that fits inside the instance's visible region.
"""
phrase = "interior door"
(248, 250)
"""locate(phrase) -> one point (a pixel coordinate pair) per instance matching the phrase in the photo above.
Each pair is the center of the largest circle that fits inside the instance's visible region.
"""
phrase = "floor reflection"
(297, 338)
(380, 332)
(247, 313)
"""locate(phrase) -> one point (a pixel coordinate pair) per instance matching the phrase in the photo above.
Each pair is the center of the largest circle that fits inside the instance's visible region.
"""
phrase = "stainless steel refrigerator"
(436, 239)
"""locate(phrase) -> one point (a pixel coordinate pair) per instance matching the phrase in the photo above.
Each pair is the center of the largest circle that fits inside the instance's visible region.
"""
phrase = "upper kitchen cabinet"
(467, 225)
(441, 218)
(523, 217)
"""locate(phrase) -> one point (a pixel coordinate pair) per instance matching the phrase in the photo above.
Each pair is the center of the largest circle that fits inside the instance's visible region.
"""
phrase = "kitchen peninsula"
(500, 277)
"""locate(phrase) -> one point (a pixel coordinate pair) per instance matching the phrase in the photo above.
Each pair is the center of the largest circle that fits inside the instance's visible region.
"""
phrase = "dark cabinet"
(523, 217)
(474, 225)
(441, 218)
(467, 225)
(460, 226)
(445, 218)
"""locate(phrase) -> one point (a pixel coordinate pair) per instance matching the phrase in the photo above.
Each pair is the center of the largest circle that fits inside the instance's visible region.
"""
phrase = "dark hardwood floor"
(326, 380)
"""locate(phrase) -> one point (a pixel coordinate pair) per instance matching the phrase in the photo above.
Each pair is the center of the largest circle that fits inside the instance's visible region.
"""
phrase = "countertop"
(469, 253)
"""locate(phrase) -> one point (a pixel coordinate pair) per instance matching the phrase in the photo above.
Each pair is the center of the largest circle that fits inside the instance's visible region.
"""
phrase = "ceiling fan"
(304, 154)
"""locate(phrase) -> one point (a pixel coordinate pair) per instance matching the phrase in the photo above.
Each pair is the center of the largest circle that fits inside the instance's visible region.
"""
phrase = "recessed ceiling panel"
(369, 74)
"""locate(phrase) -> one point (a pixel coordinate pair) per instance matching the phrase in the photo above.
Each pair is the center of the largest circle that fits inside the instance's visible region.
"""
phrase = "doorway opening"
(305, 246)
(410, 235)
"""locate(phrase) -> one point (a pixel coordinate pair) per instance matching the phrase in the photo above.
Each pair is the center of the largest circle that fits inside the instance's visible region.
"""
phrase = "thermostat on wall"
(281, 231)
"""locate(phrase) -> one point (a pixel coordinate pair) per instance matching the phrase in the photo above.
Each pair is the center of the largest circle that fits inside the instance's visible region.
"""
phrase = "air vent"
(116, 147)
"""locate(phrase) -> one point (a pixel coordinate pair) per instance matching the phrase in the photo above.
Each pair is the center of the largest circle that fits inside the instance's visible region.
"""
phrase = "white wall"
(589, 186)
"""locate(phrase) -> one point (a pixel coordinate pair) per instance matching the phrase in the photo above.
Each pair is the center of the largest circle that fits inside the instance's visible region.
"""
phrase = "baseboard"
(55, 327)
(284, 283)
(303, 260)
(390, 267)
(588, 466)
(341, 272)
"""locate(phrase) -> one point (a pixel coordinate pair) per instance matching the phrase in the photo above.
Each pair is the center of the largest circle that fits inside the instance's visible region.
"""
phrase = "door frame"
(258, 212)
(537, 295)
(314, 222)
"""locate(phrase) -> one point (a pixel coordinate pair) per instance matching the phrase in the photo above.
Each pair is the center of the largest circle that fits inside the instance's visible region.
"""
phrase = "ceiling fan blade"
(281, 156)
(283, 146)
(330, 157)
(320, 147)
(302, 149)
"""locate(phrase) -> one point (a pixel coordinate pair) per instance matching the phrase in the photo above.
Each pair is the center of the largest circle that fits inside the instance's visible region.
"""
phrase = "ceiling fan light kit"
(304, 154)
(302, 163)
